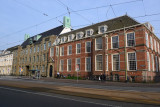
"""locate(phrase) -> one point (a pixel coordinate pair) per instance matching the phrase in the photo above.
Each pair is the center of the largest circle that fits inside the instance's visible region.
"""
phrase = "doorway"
(27, 70)
(50, 71)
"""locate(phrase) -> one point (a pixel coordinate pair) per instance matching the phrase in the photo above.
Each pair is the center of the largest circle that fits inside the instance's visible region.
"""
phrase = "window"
(62, 51)
(62, 40)
(155, 45)
(158, 46)
(26, 51)
(37, 58)
(147, 42)
(34, 58)
(43, 68)
(115, 42)
(70, 37)
(44, 46)
(132, 63)
(30, 50)
(70, 50)
(44, 57)
(116, 62)
(88, 64)
(106, 43)
(102, 29)
(38, 49)
(88, 47)
(152, 62)
(61, 65)
(78, 48)
(29, 59)
(151, 42)
(148, 61)
(34, 49)
(78, 63)
(51, 51)
(130, 39)
(156, 62)
(69, 64)
(106, 62)
(57, 51)
(89, 32)
(79, 35)
(49, 44)
(99, 62)
(99, 43)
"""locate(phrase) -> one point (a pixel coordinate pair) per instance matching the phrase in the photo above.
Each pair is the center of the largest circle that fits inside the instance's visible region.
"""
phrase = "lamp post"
(125, 53)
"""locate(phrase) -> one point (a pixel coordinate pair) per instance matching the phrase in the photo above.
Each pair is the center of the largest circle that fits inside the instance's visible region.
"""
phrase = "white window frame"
(51, 51)
(61, 65)
(96, 62)
(70, 39)
(86, 64)
(119, 61)
(68, 50)
(96, 43)
(91, 32)
(57, 50)
(77, 48)
(148, 61)
(112, 43)
(152, 62)
(151, 42)
(128, 61)
(127, 40)
(44, 46)
(62, 51)
(67, 65)
(155, 47)
(86, 46)
(105, 29)
(76, 64)
(106, 43)
(147, 41)
(81, 35)
(106, 60)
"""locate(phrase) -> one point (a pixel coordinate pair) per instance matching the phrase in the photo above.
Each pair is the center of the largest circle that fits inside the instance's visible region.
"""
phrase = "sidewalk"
(126, 96)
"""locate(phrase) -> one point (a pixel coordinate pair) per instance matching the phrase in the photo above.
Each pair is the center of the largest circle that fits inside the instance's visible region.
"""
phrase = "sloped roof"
(55, 31)
(11, 49)
(112, 24)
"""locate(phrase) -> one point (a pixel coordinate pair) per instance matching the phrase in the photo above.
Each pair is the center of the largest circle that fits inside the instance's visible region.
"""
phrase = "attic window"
(63, 39)
(102, 29)
(89, 32)
(70, 37)
(79, 35)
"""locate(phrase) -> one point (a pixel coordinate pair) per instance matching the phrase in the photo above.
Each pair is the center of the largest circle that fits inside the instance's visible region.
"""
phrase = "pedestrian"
(58, 75)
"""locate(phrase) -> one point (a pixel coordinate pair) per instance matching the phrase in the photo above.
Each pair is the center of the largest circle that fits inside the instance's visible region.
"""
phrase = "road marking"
(43, 94)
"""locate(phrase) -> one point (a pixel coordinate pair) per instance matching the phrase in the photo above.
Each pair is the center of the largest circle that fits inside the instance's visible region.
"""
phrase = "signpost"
(77, 69)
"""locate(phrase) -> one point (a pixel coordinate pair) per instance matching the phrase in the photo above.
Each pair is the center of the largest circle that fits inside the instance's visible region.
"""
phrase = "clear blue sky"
(20, 17)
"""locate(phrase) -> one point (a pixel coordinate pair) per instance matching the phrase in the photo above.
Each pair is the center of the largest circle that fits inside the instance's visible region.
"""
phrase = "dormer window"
(89, 32)
(102, 29)
(79, 35)
(57, 41)
(63, 39)
(71, 37)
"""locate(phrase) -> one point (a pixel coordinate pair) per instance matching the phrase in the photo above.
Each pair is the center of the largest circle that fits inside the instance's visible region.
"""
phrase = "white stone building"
(6, 59)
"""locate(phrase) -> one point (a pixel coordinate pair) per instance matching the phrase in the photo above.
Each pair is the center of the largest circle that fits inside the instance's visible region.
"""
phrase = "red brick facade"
(142, 72)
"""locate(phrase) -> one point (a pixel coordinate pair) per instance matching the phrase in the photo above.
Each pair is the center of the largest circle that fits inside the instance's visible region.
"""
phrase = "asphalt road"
(12, 97)
(141, 89)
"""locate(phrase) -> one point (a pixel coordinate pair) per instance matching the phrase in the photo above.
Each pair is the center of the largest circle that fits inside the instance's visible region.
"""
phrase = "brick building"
(120, 48)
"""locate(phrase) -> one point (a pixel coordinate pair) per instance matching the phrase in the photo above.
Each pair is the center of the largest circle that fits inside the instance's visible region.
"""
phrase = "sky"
(20, 17)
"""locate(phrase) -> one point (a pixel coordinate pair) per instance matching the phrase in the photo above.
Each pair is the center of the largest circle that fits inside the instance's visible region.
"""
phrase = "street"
(12, 97)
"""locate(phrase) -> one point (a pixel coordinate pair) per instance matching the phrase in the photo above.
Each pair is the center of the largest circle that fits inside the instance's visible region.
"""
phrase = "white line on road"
(43, 94)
